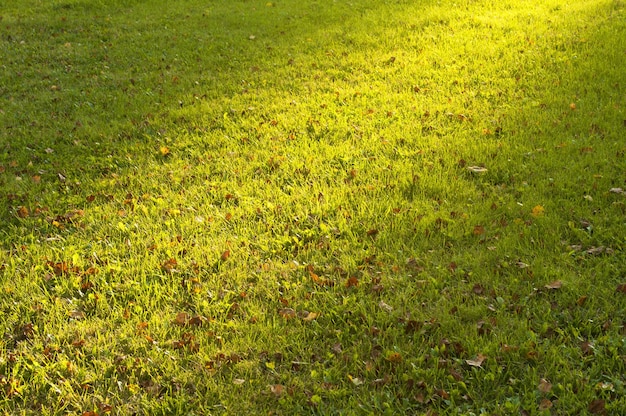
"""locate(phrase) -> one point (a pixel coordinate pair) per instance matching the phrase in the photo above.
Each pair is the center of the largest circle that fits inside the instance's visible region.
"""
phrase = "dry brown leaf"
(597, 407)
(544, 386)
(557, 284)
(76, 314)
(545, 404)
(287, 313)
(277, 389)
(182, 319)
(478, 362)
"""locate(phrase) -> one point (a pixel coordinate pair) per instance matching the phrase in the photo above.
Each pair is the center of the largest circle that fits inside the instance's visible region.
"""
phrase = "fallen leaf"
(197, 320)
(238, 381)
(478, 289)
(356, 381)
(384, 306)
(352, 282)
(587, 348)
(617, 191)
(23, 212)
(76, 314)
(164, 150)
(478, 230)
(544, 386)
(478, 362)
(394, 357)
(169, 266)
(595, 251)
(557, 284)
(597, 407)
(225, 255)
(287, 313)
(277, 389)
(477, 169)
(545, 404)
(182, 319)
(621, 288)
(311, 316)
(537, 211)
(318, 280)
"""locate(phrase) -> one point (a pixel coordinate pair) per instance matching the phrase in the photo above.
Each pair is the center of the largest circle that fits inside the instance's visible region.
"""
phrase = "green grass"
(245, 207)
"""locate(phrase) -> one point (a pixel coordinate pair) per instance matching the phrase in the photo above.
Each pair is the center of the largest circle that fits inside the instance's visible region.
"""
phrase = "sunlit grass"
(257, 207)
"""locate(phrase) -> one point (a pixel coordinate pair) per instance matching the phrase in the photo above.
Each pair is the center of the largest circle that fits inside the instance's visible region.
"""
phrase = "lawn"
(313, 207)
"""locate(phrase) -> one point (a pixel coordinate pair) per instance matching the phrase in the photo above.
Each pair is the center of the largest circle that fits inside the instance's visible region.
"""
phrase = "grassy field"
(313, 207)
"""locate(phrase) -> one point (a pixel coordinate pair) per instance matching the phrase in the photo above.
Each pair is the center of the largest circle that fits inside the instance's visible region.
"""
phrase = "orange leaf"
(394, 357)
(277, 389)
(479, 230)
(23, 212)
(169, 266)
(225, 255)
(352, 281)
(318, 280)
(621, 288)
(537, 211)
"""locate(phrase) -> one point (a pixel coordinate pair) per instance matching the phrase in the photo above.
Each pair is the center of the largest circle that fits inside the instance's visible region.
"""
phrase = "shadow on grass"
(90, 91)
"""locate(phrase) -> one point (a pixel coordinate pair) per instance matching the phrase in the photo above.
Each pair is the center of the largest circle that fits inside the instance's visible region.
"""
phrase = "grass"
(363, 207)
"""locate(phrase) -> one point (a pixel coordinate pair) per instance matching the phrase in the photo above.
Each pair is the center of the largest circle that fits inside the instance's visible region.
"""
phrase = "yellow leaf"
(164, 150)
(537, 211)
(311, 316)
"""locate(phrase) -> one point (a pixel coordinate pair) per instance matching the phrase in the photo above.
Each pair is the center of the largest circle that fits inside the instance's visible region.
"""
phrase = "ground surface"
(364, 207)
